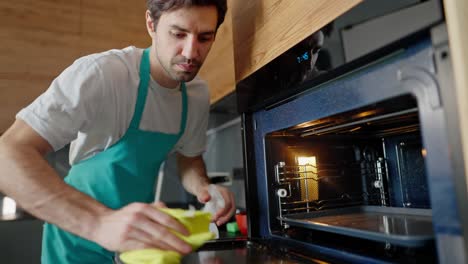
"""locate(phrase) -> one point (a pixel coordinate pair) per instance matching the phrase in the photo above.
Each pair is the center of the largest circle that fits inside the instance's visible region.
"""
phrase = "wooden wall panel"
(108, 24)
(42, 15)
(40, 38)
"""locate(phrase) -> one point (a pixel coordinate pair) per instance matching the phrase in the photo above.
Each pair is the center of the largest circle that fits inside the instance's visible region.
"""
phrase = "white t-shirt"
(92, 102)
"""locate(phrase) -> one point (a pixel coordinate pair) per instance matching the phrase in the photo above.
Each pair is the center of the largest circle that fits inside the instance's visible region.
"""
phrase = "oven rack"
(297, 185)
(285, 173)
(317, 205)
(312, 171)
(373, 172)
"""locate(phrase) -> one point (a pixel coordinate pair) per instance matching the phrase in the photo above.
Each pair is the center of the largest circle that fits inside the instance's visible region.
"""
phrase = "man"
(123, 111)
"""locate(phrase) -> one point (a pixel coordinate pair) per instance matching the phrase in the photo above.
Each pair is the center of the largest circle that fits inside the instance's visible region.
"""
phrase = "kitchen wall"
(224, 156)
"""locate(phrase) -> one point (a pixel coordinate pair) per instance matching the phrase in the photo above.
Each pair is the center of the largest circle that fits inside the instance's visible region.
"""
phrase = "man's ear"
(150, 26)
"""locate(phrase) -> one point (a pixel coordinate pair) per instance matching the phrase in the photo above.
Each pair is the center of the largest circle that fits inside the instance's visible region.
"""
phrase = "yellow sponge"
(197, 223)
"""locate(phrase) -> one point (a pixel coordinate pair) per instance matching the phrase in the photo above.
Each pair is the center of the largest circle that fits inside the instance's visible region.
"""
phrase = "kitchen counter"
(238, 250)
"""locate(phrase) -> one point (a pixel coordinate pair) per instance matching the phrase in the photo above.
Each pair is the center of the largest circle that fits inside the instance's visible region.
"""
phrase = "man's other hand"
(222, 215)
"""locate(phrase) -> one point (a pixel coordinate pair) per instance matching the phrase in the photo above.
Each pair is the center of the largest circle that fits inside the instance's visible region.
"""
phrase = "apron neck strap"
(143, 92)
(142, 89)
(183, 120)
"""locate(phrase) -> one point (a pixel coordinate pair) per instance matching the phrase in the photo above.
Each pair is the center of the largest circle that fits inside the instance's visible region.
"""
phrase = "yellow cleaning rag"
(197, 223)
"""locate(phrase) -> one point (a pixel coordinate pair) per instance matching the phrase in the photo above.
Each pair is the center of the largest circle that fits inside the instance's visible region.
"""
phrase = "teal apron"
(122, 174)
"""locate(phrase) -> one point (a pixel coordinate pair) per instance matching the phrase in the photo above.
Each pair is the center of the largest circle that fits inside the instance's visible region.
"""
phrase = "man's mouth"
(187, 67)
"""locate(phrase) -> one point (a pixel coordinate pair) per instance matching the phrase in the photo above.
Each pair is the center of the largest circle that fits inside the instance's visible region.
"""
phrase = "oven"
(349, 158)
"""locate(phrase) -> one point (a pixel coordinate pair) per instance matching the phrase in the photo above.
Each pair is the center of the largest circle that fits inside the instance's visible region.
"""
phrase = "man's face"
(181, 41)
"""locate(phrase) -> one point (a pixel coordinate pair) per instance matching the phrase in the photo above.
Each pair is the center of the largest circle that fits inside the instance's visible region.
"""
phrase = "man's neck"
(159, 74)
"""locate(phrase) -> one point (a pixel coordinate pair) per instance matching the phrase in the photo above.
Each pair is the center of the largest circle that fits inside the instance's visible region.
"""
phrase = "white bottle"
(215, 204)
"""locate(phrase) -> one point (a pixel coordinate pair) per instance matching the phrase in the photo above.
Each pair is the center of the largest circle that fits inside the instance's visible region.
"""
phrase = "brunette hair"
(157, 7)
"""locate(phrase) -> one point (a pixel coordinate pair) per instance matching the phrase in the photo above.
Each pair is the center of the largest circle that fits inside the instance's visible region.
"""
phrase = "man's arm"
(26, 177)
(195, 180)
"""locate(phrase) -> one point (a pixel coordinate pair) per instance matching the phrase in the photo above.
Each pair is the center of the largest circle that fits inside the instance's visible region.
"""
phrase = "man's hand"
(223, 215)
(195, 180)
(139, 226)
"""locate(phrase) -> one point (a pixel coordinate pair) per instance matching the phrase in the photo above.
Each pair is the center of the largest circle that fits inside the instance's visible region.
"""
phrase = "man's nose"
(191, 48)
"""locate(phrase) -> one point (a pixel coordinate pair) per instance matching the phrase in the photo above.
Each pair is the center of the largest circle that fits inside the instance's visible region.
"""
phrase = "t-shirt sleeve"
(69, 104)
(193, 142)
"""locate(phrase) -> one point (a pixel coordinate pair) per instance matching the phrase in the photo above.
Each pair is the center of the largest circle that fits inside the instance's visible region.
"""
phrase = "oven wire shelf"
(317, 205)
(297, 185)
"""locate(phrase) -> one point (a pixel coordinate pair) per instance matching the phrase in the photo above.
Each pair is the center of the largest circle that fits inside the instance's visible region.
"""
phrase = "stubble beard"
(179, 76)
(183, 76)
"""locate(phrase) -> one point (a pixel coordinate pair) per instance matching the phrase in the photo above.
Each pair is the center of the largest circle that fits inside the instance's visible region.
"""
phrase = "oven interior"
(358, 174)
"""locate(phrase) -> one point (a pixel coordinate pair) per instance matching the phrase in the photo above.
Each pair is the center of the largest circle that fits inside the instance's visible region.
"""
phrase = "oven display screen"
(304, 57)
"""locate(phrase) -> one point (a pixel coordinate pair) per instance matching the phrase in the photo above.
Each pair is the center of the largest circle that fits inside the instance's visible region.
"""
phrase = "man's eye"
(205, 39)
(178, 35)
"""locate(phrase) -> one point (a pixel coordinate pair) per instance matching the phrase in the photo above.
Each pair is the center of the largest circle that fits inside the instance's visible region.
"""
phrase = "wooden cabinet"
(218, 69)
(261, 30)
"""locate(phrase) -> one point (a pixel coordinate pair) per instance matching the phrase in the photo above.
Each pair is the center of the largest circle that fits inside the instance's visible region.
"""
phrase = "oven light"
(309, 178)
(423, 152)
(304, 161)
